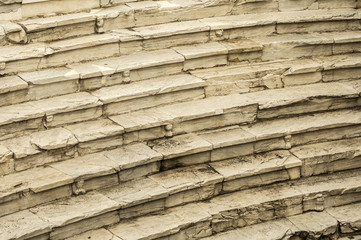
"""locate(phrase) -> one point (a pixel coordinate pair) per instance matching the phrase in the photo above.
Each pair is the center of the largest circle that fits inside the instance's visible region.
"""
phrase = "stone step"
(192, 13)
(271, 103)
(332, 223)
(23, 127)
(216, 112)
(129, 68)
(195, 220)
(119, 166)
(42, 55)
(251, 77)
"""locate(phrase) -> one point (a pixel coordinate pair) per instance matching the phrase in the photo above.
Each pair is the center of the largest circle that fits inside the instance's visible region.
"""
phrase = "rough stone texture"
(23, 225)
(53, 139)
(348, 216)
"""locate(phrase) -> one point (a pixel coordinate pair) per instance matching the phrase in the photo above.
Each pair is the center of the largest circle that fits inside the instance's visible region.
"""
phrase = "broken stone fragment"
(53, 139)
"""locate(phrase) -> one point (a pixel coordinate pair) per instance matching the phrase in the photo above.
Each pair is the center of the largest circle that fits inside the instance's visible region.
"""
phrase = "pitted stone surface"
(74, 209)
(22, 225)
(53, 139)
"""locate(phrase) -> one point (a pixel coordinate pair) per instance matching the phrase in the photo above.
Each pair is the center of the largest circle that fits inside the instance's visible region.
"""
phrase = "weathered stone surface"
(146, 88)
(100, 234)
(317, 158)
(348, 216)
(181, 146)
(93, 130)
(22, 225)
(53, 139)
(36, 179)
(202, 50)
(149, 227)
(21, 147)
(136, 192)
(86, 167)
(254, 165)
(10, 84)
(271, 230)
(182, 179)
(282, 127)
(133, 155)
(228, 137)
(74, 209)
(60, 104)
(315, 224)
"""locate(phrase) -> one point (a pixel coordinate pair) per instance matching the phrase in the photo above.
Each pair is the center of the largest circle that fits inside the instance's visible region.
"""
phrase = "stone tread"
(169, 29)
(111, 162)
(50, 106)
(287, 67)
(178, 218)
(146, 88)
(212, 106)
(93, 204)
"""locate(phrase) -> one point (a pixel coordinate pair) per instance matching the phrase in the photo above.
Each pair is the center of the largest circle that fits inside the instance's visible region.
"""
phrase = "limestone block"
(336, 4)
(138, 172)
(232, 151)
(340, 74)
(172, 221)
(33, 199)
(270, 230)
(193, 195)
(248, 7)
(302, 79)
(35, 8)
(292, 5)
(87, 167)
(142, 209)
(187, 178)
(348, 217)
(324, 154)
(134, 155)
(315, 224)
(23, 224)
(74, 209)
(96, 235)
(116, 18)
(53, 139)
(188, 160)
(181, 146)
(85, 225)
(136, 192)
(176, 40)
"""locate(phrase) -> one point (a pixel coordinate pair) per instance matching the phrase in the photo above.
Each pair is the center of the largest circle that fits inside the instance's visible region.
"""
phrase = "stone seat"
(65, 218)
(227, 152)
(335, 221)
(28, 119)
(248, 77)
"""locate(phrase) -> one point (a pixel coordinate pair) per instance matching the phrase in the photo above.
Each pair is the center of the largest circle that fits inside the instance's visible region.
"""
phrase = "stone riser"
(221, 213)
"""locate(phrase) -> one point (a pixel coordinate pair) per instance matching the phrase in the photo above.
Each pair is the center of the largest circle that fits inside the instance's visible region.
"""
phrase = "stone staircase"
(196, 119)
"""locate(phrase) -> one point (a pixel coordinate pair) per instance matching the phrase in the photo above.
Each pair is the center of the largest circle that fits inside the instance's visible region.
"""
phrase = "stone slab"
(11, 84)
(93, 130)
(133, 155)
(53, 139)
(348, 216)
(49, 76)
(74, 209)
(202, 50)
(182, 179)
(181, 146)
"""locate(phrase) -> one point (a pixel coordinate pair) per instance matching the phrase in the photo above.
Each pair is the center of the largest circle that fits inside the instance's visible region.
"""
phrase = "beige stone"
(348, 217)
(136, 192)
(315, 224)
(67, 211)
(181, 146)
(53, 139)
(182, 179)
(23, 224)
(100, 234)
(133, 155)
